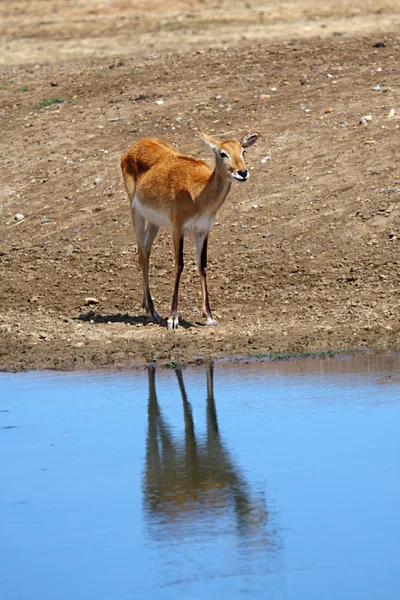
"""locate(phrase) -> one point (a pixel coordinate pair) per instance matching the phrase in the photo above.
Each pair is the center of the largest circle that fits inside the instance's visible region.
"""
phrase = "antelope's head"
(229, 155)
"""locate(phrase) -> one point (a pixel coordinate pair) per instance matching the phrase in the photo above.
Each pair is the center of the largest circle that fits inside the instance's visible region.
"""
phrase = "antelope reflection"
(195, 479)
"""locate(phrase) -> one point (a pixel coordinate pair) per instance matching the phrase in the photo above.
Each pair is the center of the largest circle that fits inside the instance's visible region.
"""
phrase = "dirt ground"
(303, 257)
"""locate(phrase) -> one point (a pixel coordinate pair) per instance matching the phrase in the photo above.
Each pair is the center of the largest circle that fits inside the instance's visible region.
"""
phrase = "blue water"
(254, 481)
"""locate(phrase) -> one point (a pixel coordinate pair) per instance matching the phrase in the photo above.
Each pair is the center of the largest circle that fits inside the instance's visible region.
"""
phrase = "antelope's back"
(145, 155)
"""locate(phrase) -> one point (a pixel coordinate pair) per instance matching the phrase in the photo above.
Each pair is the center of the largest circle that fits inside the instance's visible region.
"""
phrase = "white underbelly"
(199, 224)
(194, 225)
(157, 217)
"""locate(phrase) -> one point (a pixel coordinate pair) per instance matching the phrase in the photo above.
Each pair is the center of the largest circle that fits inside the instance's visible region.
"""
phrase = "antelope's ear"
(249, 139)
(210, 142)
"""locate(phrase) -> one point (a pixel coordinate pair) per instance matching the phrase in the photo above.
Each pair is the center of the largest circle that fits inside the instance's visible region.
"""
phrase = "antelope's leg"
(151, 232)
(177, 237)
(201, 259)
(145, 240)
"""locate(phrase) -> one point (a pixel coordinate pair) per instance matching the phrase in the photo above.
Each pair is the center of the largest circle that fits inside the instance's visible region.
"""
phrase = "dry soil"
(304, 257)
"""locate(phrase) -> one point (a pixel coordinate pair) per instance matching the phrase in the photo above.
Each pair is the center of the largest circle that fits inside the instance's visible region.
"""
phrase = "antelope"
(165, 187)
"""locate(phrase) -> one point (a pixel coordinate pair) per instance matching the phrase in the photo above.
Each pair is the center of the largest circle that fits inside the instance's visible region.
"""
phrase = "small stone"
(115, 119)
(328, 110)
(391, 113)
(365, 119)
(265, 96)
(98, 180)
(265, 159)
(42, 335)
(90, 300)
(45, 220)
(19, 217)
(376, 88)
(159, 102)
(265, 235)
(273, 89)
(379, 45)
(329, 76)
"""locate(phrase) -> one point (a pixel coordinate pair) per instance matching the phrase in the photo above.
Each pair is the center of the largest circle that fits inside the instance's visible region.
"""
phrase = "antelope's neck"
(219, 189)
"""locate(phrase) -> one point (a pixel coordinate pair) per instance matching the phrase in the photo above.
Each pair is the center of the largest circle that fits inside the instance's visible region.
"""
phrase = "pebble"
(90, 300)
(391, 113)
(265, 235)
(265, 159)
(365, 119)
(159, 102)
(45, 220)
(115, 119)
(376, 88)
(98, 180)
(19, 217)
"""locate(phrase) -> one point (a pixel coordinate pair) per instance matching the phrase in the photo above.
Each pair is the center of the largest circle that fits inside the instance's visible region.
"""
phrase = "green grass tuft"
(49, 102)
(171, 365)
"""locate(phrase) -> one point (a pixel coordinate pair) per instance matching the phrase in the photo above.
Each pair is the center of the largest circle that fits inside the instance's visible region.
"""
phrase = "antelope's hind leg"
(145, 238)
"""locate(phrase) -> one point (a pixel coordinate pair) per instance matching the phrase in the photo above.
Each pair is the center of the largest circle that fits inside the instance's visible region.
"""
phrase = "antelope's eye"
(223, 155)
(244, 152)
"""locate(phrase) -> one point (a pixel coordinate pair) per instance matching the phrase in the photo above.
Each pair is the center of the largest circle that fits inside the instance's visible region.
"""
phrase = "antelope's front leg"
(201, 258)
(177, 237)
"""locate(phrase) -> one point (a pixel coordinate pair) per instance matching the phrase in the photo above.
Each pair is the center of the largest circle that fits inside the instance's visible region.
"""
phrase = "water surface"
(276, 481)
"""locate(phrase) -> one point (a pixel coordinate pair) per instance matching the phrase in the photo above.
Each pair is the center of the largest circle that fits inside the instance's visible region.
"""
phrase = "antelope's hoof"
(173, 323)
(155, 316)
(212, 322)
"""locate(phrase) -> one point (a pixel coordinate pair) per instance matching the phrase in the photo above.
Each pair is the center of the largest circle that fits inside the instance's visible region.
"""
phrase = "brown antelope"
(166, 187)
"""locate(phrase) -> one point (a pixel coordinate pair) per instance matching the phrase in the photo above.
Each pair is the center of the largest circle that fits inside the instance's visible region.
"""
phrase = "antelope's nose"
(243, 173)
